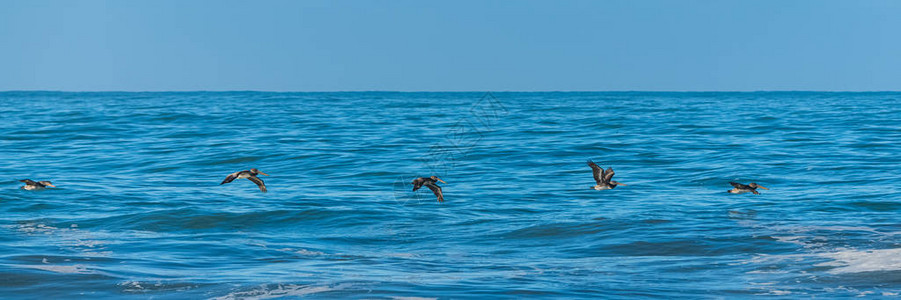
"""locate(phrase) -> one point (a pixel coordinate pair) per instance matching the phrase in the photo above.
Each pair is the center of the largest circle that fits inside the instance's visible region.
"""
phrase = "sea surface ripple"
(139, 212)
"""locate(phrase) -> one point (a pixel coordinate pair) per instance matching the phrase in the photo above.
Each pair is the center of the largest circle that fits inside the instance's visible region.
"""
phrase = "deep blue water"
(139, 212)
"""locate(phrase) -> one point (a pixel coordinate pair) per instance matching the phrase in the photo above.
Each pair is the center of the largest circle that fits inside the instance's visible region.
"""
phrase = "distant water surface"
(139, 212)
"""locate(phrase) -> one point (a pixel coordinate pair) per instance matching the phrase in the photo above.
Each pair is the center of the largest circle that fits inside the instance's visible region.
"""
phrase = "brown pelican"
(741, 188)
(431, 183)
(603, 177)
(36, 185)
(251, 175)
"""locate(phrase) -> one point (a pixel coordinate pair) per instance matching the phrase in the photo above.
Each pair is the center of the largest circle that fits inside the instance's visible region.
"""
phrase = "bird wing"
(417, 183)
(596, 171)
(739, 185)
(437, 190)
(230, 178)
(28, 181)
(608, 174)
(259, 183)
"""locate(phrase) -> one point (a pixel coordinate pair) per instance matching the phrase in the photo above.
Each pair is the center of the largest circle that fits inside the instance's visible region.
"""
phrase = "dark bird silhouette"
(250, 175)
(431, 183)
(35, 185)
(749, 188)
(603, 177)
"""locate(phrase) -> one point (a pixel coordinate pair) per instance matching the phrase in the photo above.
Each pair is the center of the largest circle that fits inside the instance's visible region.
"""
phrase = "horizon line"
(470, 91)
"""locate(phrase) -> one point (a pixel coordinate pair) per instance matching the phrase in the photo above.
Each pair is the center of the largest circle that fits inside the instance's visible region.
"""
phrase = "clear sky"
(352, 45)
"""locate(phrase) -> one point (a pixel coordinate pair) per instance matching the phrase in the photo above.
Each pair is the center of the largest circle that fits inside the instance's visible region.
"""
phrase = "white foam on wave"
(856, 261)
(72, 237)
(844, 260)
(281, 291)
(841, 228)
(763, 259)
(70, 269)
(32, 228)
(776, 293)
(791, 239)
(858, 293)
(132, 286)
(302, 251)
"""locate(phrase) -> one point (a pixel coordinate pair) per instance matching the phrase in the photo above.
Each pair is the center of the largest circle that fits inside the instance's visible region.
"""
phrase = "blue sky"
(450, 45)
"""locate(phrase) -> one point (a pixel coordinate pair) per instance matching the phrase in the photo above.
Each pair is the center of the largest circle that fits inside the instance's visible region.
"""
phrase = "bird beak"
(622, 184)
(50, 185)
(760, 186)
(261, 172)
(439, 179)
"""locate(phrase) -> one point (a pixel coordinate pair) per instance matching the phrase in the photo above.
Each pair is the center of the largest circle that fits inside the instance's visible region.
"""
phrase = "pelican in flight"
(741, 188)
(251, 175)
(35, 185)
(431, 183)
(603, 177)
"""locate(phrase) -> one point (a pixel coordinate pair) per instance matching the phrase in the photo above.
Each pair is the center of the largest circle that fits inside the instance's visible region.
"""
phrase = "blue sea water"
(139, 211)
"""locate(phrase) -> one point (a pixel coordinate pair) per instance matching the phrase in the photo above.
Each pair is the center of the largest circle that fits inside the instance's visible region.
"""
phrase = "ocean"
(139, 211)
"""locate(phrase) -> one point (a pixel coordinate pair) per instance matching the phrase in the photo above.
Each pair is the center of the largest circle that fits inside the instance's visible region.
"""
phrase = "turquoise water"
(139, 212)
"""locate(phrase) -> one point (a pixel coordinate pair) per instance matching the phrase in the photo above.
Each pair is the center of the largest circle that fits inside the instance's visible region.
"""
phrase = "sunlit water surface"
(139, 212)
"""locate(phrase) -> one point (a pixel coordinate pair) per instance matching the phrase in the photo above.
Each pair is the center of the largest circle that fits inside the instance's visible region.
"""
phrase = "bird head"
(256, 171)
(436, 178)
(617, 183)
(46, 183)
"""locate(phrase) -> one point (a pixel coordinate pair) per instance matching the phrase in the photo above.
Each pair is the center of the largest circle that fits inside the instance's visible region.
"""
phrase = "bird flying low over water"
(36, 185)
(431, 183)
(250, 175)
(741, 188)
(603, 177)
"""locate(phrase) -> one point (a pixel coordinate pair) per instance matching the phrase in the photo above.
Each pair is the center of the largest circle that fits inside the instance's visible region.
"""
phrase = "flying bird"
(741, 188)
(35, 185)
(431, 183)
(250, 175)
(603, 177)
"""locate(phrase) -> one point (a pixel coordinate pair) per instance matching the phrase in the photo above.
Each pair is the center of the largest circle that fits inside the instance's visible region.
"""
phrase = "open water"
(139, 211)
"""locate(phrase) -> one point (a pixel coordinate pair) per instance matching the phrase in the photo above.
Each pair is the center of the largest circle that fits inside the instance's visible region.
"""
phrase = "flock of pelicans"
(602, 177)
